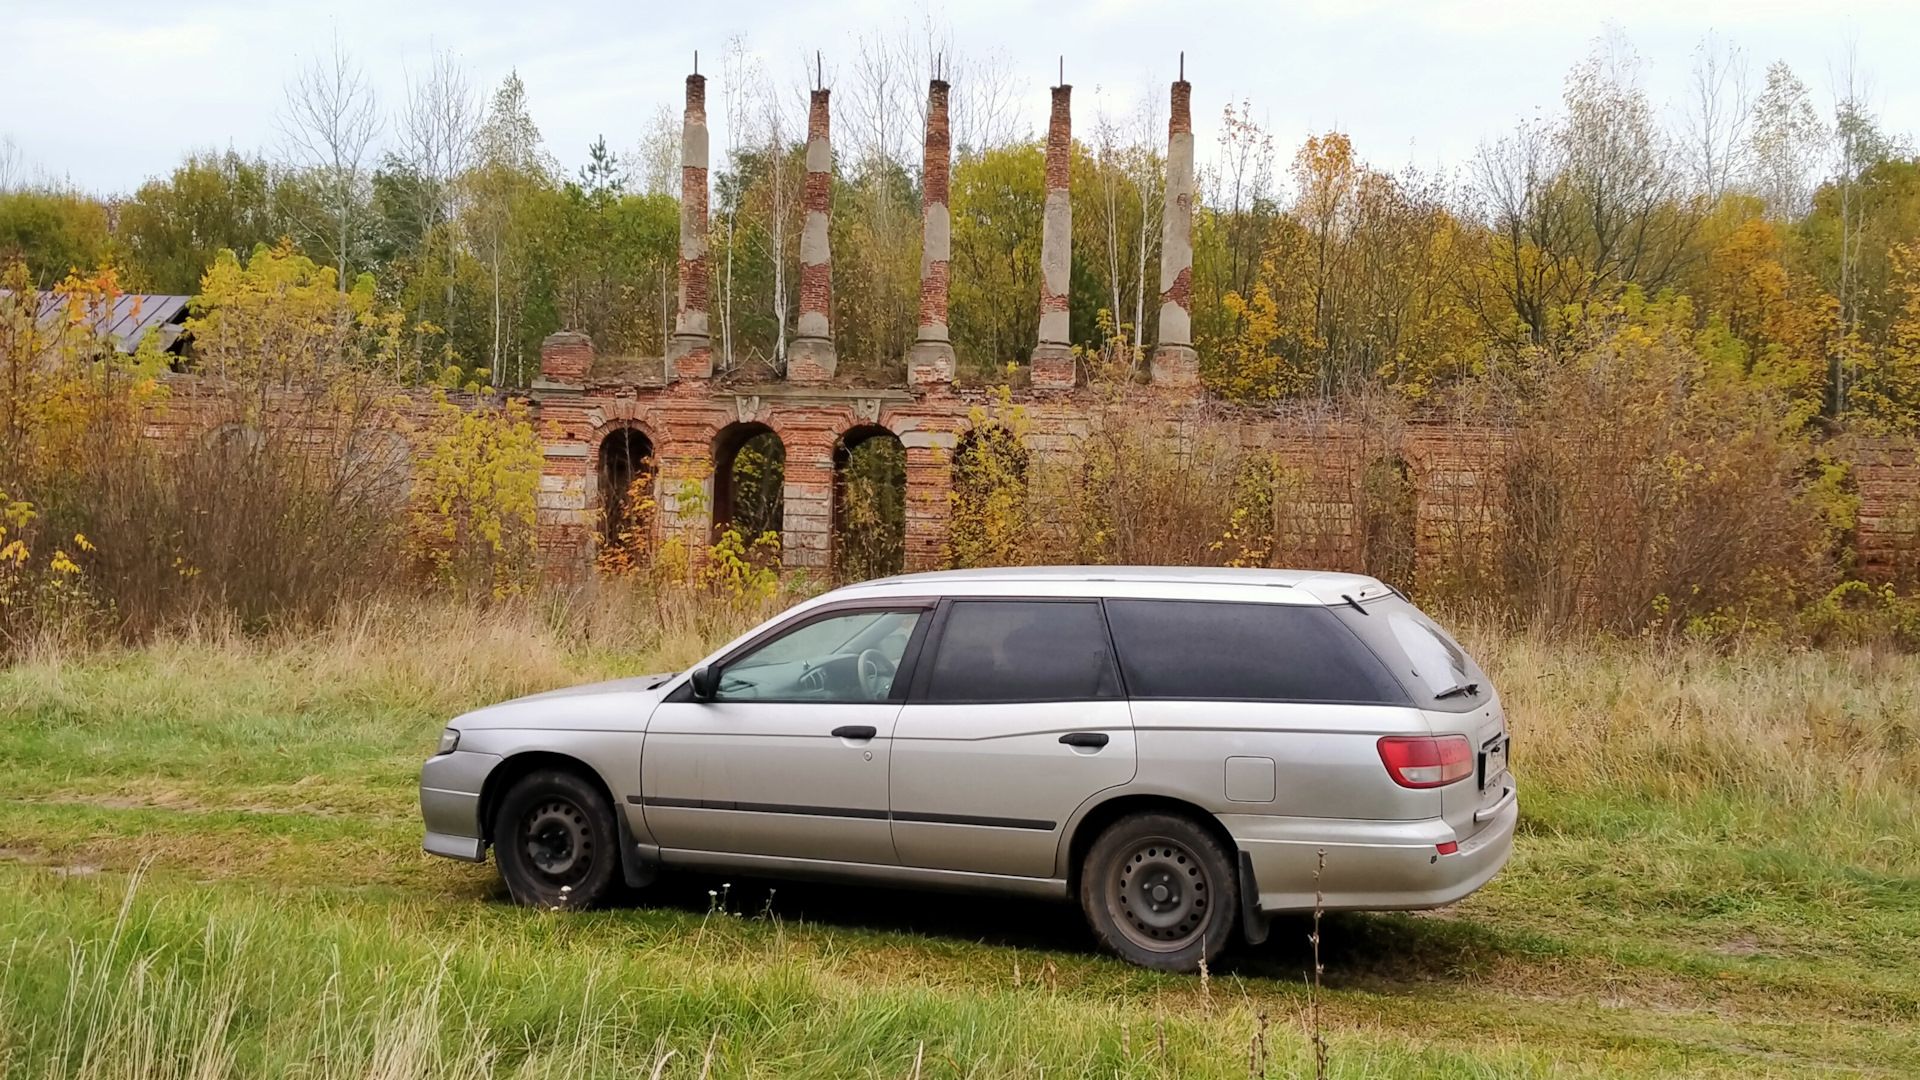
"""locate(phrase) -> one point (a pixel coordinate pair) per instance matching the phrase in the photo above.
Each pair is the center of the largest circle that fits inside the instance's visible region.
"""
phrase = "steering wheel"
(876, 673)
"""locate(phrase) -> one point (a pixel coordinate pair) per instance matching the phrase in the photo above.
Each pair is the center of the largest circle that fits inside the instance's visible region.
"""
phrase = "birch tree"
(1784, 142)
(330, 120)
(510, 166)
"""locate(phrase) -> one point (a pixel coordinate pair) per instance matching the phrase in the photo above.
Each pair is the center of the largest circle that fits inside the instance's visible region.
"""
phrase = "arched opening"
(989, 525)
(1388, 513)
(234, 442)
(749, 482)
(627, 501)
(377, 466)
(869, 505)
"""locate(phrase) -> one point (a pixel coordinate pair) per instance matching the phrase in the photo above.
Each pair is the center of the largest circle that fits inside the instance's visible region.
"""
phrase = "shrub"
(473, 509)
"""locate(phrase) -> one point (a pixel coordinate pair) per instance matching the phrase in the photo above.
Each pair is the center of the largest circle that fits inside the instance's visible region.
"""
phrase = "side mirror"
(705, 681)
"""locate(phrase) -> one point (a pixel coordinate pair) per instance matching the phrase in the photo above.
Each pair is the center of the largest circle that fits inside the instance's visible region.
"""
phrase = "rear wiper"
(1355, 603)
(1470, 689)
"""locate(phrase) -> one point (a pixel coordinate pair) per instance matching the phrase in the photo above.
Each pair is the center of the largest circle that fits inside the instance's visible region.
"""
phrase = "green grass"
(210, 866)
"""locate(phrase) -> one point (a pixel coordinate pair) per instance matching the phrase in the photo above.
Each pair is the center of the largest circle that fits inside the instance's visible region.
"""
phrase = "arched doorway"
(1388, 512)
(627, 500)
(989, 523)
(869, 504)
(749, 482)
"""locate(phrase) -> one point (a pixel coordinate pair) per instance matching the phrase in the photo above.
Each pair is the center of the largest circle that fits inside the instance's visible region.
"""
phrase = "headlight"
(449, 741)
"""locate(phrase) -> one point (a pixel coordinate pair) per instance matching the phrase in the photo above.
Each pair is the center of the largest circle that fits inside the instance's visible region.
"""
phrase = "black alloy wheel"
(1159, 890)
(555, 841)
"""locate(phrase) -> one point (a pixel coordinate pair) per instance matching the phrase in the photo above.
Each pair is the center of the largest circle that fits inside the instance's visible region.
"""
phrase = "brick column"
(1174, 361)
(806, 525)
(1053, 358)
(683, 454)
(930, 363)
(810, 358)
(690, 353)
(563, 524)
(565, 357)
(929, 505)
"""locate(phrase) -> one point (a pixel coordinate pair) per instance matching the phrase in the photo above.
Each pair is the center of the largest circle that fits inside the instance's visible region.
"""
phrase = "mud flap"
(1253, 923)
(638, 872)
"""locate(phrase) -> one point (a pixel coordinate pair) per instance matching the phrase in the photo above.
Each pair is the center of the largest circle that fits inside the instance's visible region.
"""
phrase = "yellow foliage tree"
(474, 499)
(1269, 354)
(990, 523)
(280, 319)
(64, 387)
(1885, 395)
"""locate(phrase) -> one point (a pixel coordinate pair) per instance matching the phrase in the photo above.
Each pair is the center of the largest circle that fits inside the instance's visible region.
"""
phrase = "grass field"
(210, 867)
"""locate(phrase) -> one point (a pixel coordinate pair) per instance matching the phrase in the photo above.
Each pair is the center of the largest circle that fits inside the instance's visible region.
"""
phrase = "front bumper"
(1370, 865)
(450, 786)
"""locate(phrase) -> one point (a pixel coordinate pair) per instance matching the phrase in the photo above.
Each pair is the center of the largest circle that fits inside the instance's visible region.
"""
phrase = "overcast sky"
(106, 93)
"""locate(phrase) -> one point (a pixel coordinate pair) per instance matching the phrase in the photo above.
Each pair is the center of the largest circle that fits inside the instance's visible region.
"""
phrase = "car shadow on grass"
(1357, 948)
(1373, 948)
(960, 917)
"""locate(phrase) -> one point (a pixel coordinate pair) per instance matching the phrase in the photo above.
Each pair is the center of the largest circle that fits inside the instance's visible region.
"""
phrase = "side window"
(1200, 651)
(1023, 650)
(850, 658)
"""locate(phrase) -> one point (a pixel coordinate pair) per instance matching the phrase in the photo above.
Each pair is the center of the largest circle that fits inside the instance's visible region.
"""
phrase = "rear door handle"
(855, 731)
(1095, 739)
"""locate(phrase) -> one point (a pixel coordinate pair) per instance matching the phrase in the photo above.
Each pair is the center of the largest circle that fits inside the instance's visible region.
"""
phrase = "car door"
(790, 757)
(1015, 719)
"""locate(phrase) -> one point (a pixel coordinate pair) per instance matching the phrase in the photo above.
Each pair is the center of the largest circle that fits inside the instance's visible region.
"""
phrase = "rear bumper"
(1370, 865)
(450, 786)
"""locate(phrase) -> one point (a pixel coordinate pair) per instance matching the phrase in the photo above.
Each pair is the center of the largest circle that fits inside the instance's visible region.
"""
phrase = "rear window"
(1425, 658)
(1022, 650)
(1203, 651)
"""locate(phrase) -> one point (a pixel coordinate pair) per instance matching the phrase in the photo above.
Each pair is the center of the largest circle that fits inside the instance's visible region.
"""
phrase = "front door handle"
(1095, 739)
(855, 731)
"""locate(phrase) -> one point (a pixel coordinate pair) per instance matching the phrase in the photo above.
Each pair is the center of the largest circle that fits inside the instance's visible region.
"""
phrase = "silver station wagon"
(1175, 748)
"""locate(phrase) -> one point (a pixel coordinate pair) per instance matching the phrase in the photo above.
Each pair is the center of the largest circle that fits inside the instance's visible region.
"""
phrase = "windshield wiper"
(1355, 603)
(1470, 689)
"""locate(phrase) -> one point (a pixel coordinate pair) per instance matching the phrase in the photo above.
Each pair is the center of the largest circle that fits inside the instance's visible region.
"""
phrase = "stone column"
(563, 525)
(810, 357)
(690, 353)
(1053, 358)
(930, 363)
(1174, 361)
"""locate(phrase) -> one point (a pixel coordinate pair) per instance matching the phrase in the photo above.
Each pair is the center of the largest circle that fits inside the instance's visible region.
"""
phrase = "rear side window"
(1203, 651)
(1012, 650)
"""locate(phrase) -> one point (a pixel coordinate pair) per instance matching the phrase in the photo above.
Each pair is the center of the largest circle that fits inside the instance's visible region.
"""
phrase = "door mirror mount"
(705, 681)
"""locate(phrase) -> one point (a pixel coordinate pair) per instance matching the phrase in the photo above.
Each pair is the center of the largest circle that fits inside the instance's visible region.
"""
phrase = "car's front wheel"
(1159, 890)
(555, 841)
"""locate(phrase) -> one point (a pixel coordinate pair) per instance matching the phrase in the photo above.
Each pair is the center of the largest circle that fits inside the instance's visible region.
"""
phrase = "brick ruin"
(681, 425)
(687, 424)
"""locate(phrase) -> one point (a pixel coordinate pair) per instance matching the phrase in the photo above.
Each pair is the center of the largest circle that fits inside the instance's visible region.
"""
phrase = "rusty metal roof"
(130, 319)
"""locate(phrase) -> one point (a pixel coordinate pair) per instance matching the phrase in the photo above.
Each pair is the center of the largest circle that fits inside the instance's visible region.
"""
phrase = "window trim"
(902, 678)
(1365, 650)
(923, 673)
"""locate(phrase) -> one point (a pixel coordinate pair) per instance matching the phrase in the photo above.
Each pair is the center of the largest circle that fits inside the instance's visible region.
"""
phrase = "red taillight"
(1424, 761)
(1447, 848)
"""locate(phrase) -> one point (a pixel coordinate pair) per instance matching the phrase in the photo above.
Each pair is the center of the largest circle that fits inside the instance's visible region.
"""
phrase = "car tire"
(1159, 891)
(555, 841)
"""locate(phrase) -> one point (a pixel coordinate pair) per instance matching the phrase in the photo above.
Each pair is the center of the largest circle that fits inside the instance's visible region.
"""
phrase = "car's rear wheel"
(1159, 890)
(555, 841)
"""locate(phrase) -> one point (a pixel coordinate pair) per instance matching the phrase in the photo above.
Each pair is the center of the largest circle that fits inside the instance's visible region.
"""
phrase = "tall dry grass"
(1804, 742)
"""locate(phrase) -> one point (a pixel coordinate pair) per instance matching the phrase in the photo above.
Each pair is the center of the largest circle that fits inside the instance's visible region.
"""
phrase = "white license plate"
(1493, 762)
